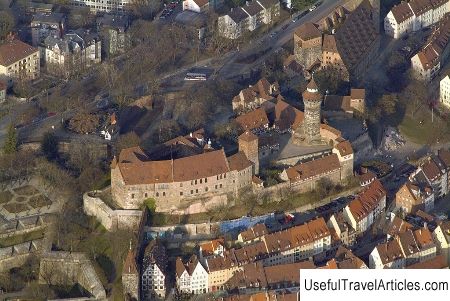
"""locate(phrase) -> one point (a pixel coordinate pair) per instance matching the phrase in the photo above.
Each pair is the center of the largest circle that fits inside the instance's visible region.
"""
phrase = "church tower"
(309, 132)
(248, 144)
(130, 277)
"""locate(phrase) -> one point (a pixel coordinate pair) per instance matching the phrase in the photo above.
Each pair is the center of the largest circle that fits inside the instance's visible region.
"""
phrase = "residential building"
(74, 53)
(427, 63)
(441, 236)
(253, 234)
(113, 32)
(96, 6)
(297, 243)
(366, 178)
(211, 248)
(255, 277)
(3, 88)
(406, 248)
(345, 259)
(191, 277)
(308, 45)
(344, 231)
(248, 17)
(444, 91)
(47, 24)
(411, 198)
(154, 271)
(396, 226)
(408, 17)
(254, 96)
(220, 270)
(18, 60)
(198, 6)
(366, 207)
(438, 262)
(130, 277)
(387, 255)
(432, 172)
(444, 157)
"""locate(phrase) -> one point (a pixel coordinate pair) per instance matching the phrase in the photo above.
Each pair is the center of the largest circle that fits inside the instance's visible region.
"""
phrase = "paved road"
(227, 67)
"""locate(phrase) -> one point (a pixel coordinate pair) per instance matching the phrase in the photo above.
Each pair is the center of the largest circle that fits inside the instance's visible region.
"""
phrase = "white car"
(312, 8)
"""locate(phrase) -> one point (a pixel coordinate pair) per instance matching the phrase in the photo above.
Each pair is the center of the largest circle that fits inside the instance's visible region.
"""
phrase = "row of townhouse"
(429, 182)
(361, 212)
(284, 247)
(427, 63)
(407, 17)
(404, 249)
(248, 17)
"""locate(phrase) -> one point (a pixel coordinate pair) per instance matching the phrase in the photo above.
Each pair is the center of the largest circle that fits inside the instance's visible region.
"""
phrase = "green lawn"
(17, 239)
(419, 129)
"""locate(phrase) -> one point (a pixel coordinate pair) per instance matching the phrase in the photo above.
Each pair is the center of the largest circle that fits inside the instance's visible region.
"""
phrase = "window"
(164, 193)
(196, 190)
(192, 191)
(206, 180)
(146, 194)
(220, 185)
(157, 194)
(132, 195)
(195, 182)
(206, 188)
(181, 193)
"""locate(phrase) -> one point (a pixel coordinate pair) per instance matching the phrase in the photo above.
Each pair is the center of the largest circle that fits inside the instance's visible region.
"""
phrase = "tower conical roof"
(312, 92)
(129, 266)
(312, 85)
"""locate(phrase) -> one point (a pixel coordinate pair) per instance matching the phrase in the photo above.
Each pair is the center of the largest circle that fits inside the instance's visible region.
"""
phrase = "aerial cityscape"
(215, 149)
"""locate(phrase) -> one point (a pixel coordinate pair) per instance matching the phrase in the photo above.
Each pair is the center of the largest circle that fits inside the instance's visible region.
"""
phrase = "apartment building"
(248, 17)
(95, 6)
(74, 53)
(191, 277)
(427, 63)
(444, 91)
(47, 24)
(297, 243)
(441, 236)
(413, 197)
(405, 249)
(18, 60)
(113, 32)
(210, 249)
(198, 6)
(220, 270)
(408, 17)
(366, 207)
(253, 234)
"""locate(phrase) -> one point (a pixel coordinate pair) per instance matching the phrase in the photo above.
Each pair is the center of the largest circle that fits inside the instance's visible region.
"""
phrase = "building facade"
(18, 61)
(113, 33)
(130, 277)
(412, 16)
(135, 178)
(72, 54)
(427, 63)
(198, 6)
(95, 6)
(444, 91)
(47, 24)
(248, 18)
(154, 271)
(192, 277)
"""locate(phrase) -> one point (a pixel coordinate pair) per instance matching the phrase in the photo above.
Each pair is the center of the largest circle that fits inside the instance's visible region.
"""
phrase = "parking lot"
(170, 11)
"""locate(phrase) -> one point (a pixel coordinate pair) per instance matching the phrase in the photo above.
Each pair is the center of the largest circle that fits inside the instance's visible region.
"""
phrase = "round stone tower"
(309, 132)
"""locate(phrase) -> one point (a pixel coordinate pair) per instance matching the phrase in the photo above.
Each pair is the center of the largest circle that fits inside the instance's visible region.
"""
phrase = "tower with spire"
(308, 133)
(130, 276)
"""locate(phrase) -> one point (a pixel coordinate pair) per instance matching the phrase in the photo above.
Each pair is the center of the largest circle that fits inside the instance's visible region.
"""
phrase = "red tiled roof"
(15, 50)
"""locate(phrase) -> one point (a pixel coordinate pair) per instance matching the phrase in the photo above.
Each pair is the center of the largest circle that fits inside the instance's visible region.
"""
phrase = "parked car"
(312, 8)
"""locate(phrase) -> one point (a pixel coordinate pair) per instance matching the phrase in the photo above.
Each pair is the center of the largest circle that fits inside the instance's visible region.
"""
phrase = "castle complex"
(188, 169)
